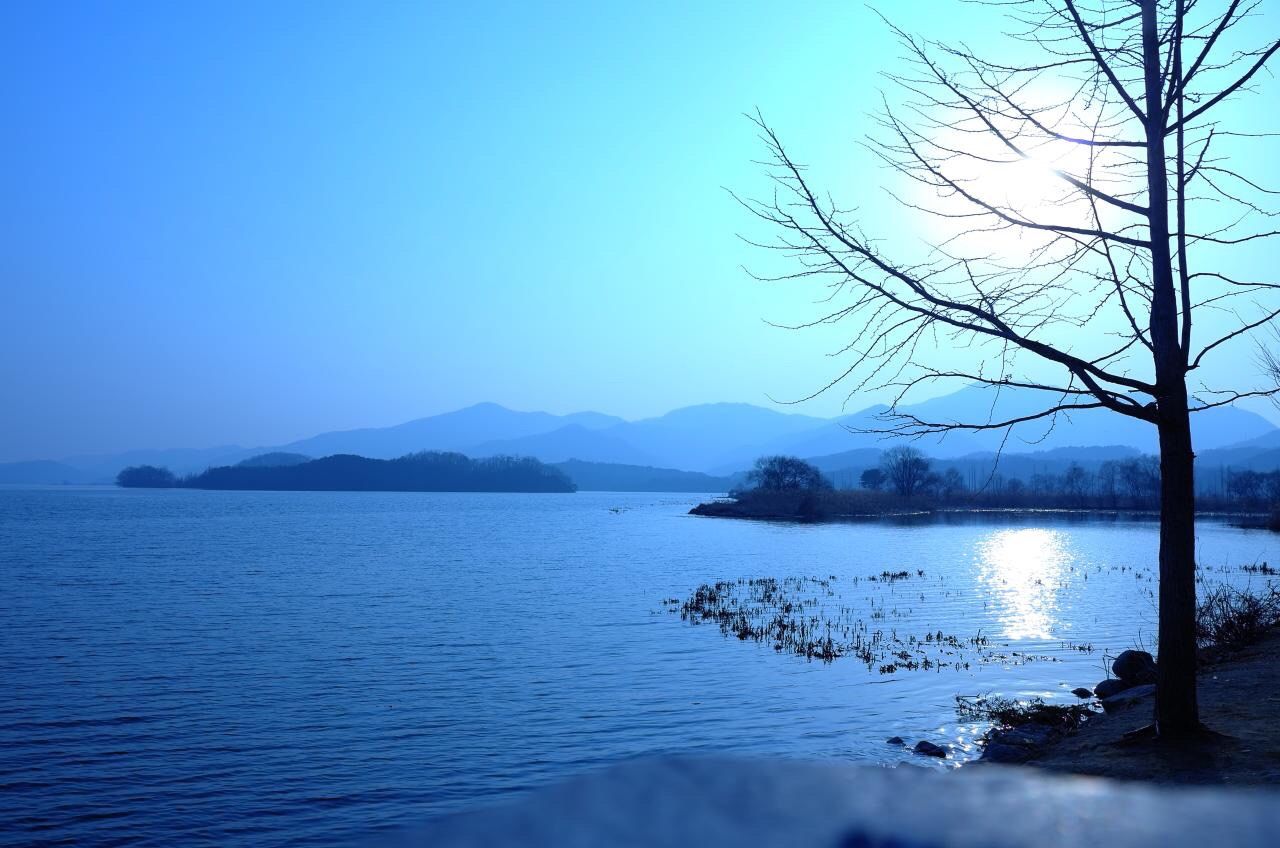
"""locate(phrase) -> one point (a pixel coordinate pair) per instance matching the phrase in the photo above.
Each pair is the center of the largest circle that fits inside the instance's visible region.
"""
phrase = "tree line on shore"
(428, 471)
(906, 474)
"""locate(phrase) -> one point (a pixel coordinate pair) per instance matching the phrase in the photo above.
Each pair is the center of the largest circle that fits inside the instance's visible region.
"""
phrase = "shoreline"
(1239, 692)
(733, 509)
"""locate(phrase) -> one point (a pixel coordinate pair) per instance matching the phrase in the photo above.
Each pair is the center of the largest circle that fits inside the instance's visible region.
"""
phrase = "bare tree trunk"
(1177, 711)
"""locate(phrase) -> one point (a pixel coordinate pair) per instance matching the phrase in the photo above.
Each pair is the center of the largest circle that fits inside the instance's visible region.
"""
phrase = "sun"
(1025, 187)
(1015, 187)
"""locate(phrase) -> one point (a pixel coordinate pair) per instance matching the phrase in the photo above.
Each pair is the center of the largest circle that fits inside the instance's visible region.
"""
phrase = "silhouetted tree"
(146, 477)
(906, 468)
(1116, 102)
(1141, 478)
(951, 484)
(1044, 484)
(872, 479)
(1246, 486)
(1108, 481)
(1076, 482)
(786, 474)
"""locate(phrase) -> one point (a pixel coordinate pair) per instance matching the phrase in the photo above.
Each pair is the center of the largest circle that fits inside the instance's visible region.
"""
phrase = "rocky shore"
(1239, 702)
(1028, 732)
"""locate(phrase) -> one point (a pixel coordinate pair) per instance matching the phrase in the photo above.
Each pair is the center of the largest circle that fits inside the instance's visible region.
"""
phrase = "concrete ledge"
(745, 802)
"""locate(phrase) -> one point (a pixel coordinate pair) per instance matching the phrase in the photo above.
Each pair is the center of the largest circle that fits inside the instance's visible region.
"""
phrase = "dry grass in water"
(806, 616)
(1233, 618)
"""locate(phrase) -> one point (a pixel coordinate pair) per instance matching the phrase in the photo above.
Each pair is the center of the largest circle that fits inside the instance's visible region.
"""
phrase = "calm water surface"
(265, 669)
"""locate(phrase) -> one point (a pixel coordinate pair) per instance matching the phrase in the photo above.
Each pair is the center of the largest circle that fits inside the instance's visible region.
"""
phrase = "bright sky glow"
(250, 222)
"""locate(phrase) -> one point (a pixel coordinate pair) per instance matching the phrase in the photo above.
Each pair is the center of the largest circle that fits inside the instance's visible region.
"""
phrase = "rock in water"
(1110, 687)
(1134, 667)
(1082, 693)
(1028, 736)
(1018, 744)
(1128, 697)
(929, 749)
(895, 740)
(998, 752)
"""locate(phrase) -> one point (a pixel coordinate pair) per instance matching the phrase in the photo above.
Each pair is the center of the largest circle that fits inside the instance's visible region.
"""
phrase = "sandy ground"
(1239, 703)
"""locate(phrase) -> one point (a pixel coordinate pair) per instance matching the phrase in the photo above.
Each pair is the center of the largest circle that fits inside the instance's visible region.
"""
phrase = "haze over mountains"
(719, 439)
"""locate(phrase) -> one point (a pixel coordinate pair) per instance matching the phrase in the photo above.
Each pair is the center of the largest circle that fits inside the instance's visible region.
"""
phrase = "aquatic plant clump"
(805, 616)
(1006, 713)
(1020, 730)
(1229, 617)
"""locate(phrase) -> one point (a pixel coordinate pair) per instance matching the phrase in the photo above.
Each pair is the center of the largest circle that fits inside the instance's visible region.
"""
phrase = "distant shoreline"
(852, 506)
(418, 472)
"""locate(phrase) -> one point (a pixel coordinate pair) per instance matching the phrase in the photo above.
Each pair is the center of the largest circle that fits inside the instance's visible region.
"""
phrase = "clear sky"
(249, 222)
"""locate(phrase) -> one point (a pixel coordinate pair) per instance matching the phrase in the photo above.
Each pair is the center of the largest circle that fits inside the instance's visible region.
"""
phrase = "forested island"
(429, 471)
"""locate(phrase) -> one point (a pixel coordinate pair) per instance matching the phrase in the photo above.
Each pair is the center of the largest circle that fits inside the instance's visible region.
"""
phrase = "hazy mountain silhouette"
(1212, 429)
(44, 472)
(1260, 454)
(853, 432)
(1083, 428)
(572, 442)
(102, 468)
(461, 430)
(717, 438)
(727, 436)
(275, 459)
(1266, 442)
(857, 458)
(610, 477)
(713, 435)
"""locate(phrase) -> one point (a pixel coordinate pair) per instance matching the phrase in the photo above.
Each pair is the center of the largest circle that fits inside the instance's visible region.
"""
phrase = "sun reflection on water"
(1024, 570)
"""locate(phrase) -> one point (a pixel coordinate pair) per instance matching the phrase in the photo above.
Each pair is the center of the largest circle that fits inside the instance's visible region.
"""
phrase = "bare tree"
(1119, 106)
(1141, 477)
(873, 479)
(952, 484)
(1076, 482)
(906, 468)
(1269, 359)
(786, 473)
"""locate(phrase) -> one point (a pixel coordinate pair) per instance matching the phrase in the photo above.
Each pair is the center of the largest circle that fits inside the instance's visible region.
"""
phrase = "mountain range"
(721, 439)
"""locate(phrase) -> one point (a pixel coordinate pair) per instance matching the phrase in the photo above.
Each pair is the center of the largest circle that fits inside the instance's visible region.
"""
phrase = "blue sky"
(249, 222)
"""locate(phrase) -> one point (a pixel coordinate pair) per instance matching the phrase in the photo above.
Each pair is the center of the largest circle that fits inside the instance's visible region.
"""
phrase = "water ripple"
(269, 669)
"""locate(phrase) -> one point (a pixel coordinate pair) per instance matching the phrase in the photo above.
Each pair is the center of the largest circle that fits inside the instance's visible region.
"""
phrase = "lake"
(263, 668)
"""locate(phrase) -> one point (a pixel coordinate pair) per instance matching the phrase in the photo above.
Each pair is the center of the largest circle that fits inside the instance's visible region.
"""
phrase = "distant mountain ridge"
(1213, 429)
(611, 477)
(718, 439)
(571, 442)
(41, 472)
(276, 459)
(459, 430)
